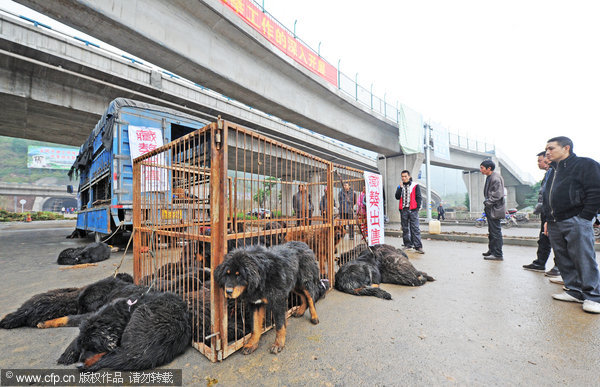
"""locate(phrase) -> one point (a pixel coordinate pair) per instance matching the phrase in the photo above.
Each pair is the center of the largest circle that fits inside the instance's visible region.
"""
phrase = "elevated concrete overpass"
(54, 88)
(38, 197)
(206, 42)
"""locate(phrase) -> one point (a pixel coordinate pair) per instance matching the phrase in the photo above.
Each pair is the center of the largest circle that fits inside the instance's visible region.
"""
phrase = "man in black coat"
(495, 208)
(571, 201)
(544, 248)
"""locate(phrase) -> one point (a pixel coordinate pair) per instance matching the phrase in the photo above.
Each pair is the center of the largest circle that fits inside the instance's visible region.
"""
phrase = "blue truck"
(104, 163)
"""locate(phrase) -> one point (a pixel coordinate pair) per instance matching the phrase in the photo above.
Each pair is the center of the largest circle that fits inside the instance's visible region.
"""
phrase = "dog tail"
(370, 291)
(14, 320)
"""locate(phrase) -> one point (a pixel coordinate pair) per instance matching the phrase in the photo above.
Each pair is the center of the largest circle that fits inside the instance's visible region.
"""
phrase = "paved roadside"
(526, 235)
(480, 323)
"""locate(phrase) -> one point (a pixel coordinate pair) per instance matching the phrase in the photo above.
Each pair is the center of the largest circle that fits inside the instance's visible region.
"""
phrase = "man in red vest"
(409, 195)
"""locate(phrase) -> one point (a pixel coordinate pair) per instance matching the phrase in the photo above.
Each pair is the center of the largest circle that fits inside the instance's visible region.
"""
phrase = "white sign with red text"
(375, 218)
(143, 139)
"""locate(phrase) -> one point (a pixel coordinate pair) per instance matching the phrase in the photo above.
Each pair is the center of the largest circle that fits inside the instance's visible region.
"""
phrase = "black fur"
(385, 265)
(267, 276)
(94, 252)
(41, 307)
(132, 334)
(61, 302)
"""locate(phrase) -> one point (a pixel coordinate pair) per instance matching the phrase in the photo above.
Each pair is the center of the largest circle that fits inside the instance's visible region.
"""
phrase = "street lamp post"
(427, 168)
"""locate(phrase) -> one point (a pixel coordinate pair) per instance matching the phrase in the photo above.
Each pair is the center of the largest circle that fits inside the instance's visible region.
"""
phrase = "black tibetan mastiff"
(387, 264)
(132, 334)
(58, 303)
(94, 252)
(264, 278)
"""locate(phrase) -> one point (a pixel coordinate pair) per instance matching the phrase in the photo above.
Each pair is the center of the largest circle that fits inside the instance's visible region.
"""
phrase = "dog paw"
(298, 314)
(314, 320)
(247, 350)
(276, 348)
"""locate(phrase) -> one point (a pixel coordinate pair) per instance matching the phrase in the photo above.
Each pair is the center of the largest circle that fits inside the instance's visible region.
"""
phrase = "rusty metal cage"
(222, 187)
(349, 186)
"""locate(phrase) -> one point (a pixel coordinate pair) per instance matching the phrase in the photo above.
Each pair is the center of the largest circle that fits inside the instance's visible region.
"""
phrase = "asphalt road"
(481, 323)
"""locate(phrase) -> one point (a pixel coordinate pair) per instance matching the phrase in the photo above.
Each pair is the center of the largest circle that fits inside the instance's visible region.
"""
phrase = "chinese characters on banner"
(281, 38)
(142, 140)
(375, 218)
(51, 157)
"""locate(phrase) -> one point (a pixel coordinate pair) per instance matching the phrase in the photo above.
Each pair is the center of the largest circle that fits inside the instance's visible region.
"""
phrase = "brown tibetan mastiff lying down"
(264, 278)
(387, 264)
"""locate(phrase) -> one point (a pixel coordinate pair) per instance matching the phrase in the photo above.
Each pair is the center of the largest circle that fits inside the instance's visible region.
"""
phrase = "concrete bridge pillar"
(38, 203)
(391, 169)
(288, 189)
(511, 197)
(474, 181)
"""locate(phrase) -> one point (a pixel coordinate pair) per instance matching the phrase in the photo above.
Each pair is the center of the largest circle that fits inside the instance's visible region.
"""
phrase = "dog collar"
(131, 303)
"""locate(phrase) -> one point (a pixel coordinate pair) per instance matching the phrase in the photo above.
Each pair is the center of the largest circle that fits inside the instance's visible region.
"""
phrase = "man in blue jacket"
(571, 200)
(409, 195)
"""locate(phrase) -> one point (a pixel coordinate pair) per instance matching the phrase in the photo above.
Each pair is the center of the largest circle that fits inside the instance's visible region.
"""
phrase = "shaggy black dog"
(265, 277)
(92, 298)
(386, 264)
(58, 303)
(132, 334)
(94, 252)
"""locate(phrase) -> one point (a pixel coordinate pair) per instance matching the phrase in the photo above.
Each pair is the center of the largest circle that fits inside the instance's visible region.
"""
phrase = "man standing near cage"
(302, 205)
(347, 199)
(323, 207)
(544, 248)
(409, 195)
(571, 200)
(495, 208)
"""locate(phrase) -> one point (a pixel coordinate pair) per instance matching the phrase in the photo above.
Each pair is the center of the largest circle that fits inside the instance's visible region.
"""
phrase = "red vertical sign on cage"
(283, 39)
(374, 203)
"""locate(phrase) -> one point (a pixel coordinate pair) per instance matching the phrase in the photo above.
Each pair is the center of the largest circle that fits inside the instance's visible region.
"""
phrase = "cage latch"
(218, 139)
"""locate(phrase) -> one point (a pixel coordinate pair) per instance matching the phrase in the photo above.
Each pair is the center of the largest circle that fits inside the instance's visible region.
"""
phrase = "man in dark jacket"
(409, 195)
(441, 212)
(495, 208)
(571, 200)
(544, 248)
(302, 205)
(323, 205)
(347, 199)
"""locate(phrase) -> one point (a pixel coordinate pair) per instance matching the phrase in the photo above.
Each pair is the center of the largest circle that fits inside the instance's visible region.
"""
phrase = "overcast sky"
(513, 73)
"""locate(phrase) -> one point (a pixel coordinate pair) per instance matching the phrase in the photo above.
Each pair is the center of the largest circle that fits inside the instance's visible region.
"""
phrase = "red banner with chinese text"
(281, 38)
(374, 208)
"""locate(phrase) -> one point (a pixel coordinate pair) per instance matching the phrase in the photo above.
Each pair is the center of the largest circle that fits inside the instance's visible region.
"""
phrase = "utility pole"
(427, 167)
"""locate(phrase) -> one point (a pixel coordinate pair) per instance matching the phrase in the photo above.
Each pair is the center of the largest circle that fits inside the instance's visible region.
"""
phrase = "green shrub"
(7, 216)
